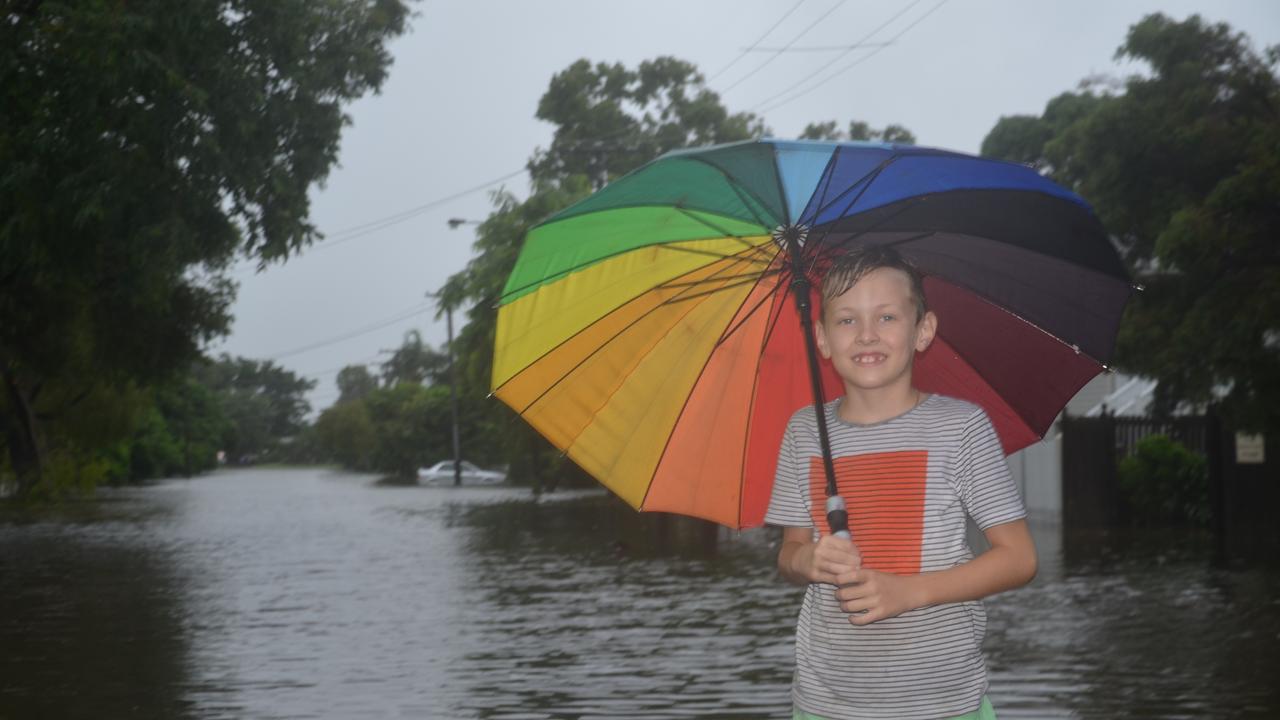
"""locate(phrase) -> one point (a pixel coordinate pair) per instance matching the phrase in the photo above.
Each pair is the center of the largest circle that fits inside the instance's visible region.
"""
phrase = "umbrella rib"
(854, 236)
(708, 253)
(739, 190)
(755, 377)
(786, 204)
(750, 313)
(752, 276)
(786, 290)
(755, 386)
(983, 296)
(713, 226)
(825, 180)
(865, 182)
(861, 186)
(579, 364)
(966, 360)
(667, 443)
(633, 206)
(743, 256)
(739, 281)
(999, 306)
(755, 382)
(669, 245)
(595, 412)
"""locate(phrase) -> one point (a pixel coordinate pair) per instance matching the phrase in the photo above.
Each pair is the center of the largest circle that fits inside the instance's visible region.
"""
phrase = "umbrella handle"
(838, 517)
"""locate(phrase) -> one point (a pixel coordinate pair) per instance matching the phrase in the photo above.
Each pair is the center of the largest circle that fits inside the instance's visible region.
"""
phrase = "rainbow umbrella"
(650, 331)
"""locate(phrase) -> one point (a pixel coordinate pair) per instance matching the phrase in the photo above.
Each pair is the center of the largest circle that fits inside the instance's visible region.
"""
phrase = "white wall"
(1037, 470)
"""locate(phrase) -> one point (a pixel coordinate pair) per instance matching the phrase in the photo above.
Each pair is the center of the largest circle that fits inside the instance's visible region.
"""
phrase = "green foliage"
(858, 130)
(262, 402)
(1025, 138)
(346, 433)
(143, 146)
(1164, 483)
(154, 452)
(1183, 167)
(355, 382)
(179, 433)
(69, 474)
(397, 429)
(412, 427)
(415, 362)
(610, 120)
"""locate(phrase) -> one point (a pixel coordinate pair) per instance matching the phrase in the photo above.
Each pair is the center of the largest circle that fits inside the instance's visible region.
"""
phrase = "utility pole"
(454, 224)
(453, 386)
(453, 401)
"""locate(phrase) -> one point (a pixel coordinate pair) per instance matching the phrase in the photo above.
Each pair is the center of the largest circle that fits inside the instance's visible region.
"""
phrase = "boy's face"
(870, 333)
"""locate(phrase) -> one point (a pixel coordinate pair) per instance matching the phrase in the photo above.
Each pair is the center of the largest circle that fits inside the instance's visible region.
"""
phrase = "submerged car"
(442, 474)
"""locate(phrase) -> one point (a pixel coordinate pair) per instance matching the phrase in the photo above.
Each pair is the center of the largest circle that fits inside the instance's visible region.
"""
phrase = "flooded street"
(319, 594)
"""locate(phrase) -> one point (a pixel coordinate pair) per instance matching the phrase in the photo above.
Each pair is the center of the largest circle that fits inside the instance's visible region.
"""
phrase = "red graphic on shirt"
(885, 496)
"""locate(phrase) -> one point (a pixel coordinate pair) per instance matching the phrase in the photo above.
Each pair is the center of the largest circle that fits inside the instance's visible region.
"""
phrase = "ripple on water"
(299, 593)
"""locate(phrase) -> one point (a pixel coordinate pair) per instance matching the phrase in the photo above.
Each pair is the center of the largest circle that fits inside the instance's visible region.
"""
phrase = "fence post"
(1090, 494)
(1217, 459)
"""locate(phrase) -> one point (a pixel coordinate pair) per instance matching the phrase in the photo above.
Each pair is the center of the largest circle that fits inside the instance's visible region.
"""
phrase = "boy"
(892, 623)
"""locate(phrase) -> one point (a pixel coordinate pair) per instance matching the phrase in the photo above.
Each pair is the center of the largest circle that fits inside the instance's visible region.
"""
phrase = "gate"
(1093, 447)
(1244, 492)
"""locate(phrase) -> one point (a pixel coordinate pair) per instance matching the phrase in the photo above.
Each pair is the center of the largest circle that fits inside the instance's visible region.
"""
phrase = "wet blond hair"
(850, 267)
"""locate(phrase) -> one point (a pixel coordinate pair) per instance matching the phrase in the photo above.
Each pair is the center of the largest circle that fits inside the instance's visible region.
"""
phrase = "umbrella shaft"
(837, 517)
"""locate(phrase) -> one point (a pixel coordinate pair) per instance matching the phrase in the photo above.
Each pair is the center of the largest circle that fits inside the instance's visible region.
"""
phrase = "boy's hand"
(803, 561)
(832, 557)
(871, 595)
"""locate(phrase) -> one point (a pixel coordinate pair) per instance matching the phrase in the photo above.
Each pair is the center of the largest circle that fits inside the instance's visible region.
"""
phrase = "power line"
(793, 41)
(815, 48)
(801, 93)
(837, 58)
(351, 233)
(399, 317)
(759, 40)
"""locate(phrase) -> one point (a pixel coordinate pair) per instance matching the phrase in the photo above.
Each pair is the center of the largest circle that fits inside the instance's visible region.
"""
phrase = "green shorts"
(984, 712)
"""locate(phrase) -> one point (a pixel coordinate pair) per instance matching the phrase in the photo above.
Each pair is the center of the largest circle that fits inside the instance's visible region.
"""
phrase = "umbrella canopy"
(650, 331)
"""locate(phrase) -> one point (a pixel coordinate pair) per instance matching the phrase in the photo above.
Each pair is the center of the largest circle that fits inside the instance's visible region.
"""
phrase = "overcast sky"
(457, 112)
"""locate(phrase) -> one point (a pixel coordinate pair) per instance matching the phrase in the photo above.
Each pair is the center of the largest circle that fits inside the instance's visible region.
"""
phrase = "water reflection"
(603, 612)
(312, 594)
(90, 626)
(1137, 625)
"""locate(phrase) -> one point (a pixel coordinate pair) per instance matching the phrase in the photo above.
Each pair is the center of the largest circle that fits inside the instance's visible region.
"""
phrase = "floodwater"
(319, 594)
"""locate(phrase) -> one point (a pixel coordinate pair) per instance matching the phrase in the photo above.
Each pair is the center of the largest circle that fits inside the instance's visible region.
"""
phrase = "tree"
(143, 145)
(347, 435)
(195, 419)
(263, 402)
(610, 120)
(355, 382)
(415, 362)
(411, 427)
(858, 130)
(1183, 167)
(180, 433)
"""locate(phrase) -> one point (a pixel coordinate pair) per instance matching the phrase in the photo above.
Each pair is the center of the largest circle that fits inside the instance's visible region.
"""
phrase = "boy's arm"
(1010, 563)
(802, 561)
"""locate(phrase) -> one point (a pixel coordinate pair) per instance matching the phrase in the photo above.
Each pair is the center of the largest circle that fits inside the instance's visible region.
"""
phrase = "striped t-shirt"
(908, 482)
